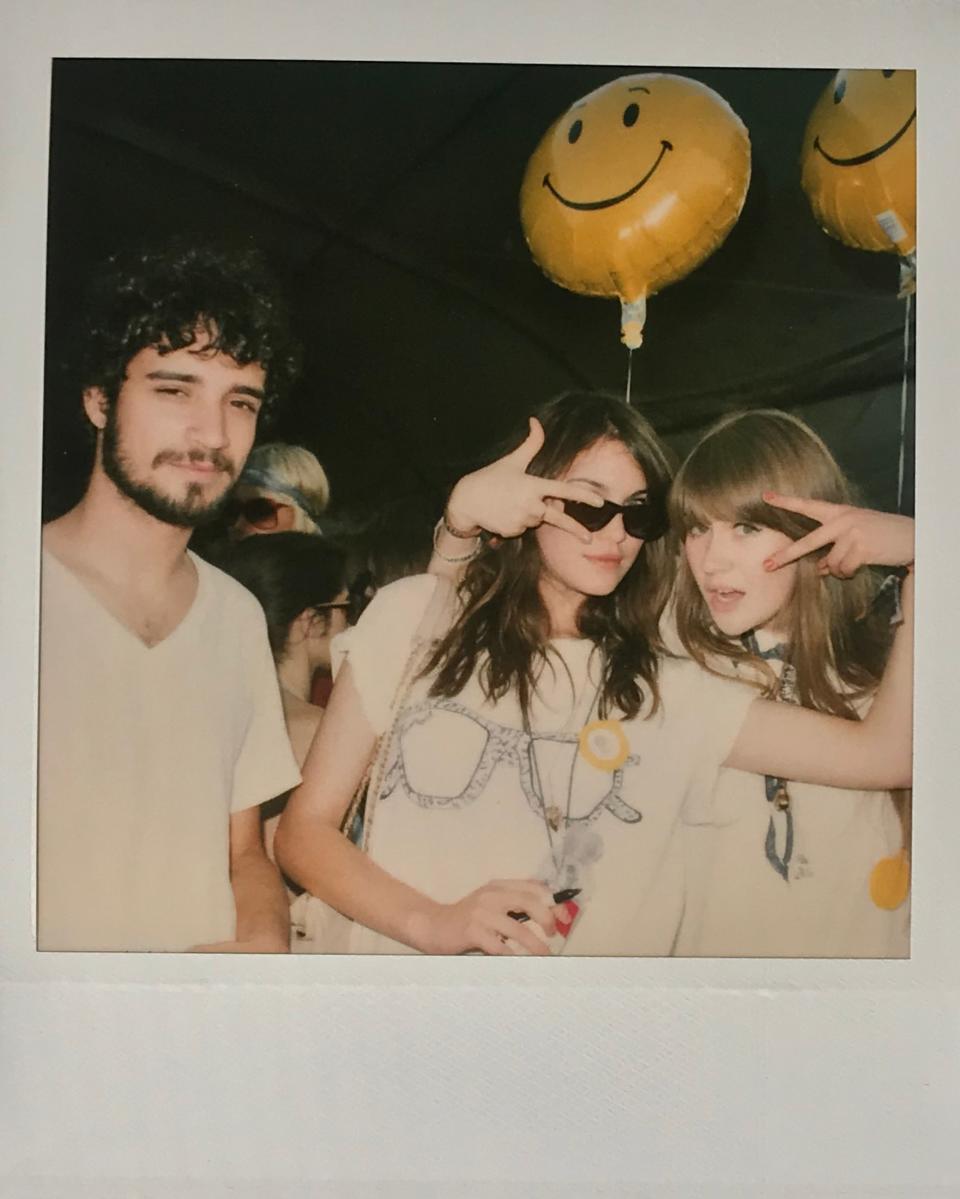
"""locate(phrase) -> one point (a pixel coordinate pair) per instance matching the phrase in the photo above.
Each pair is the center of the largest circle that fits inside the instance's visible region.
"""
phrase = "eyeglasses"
(260, 512)
(333, 606)
(646, 519)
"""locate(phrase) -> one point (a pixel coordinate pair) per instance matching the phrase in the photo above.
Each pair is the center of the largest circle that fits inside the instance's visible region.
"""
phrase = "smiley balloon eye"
(630, 114)
(887, 74)
(575, 130)
(840, 90)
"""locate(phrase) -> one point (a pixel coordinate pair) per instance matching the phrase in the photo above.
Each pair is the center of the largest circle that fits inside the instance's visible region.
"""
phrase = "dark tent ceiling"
(386, 196)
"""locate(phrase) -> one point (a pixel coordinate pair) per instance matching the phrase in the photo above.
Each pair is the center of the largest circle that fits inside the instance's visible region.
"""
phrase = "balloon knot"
(633, 314)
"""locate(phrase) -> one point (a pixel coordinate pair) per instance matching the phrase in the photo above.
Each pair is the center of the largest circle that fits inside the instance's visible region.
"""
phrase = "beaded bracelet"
(456, 532)
(442, 525)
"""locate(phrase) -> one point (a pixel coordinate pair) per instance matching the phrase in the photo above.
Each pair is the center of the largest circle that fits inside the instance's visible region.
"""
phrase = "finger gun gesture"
(505, 500)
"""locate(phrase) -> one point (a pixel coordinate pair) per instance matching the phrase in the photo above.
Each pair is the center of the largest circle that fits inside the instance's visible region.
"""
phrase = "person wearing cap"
(283, 489)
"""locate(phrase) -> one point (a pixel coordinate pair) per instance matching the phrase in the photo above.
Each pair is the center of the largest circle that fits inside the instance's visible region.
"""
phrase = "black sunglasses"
(646, 519)
(259, 511)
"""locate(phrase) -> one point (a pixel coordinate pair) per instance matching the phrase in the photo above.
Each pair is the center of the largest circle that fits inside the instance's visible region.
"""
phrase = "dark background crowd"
(385, 196)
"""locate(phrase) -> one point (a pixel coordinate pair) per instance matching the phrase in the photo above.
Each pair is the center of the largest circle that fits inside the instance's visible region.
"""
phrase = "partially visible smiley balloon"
(859, 161)
(633, 187)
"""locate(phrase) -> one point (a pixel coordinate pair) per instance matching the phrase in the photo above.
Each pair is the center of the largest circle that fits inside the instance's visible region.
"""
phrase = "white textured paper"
(165, 1076)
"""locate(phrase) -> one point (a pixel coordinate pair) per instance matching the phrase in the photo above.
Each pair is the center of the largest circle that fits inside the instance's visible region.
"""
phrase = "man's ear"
(95, 404)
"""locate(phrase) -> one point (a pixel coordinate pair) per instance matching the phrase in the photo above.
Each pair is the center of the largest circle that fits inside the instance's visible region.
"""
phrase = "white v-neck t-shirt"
(144, 753)
(460, 801)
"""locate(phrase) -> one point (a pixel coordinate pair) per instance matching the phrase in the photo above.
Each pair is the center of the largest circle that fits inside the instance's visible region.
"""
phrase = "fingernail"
(571, 911)
(769, 564)
(769, 495)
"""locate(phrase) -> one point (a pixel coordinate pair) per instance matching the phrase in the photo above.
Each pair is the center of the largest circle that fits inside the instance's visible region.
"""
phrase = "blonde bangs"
(694, 503)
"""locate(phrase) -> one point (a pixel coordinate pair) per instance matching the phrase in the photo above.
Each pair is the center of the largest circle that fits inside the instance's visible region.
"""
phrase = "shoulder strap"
(436, 619)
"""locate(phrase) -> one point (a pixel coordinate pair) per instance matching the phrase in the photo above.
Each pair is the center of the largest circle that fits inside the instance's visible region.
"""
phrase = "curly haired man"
(161, 729)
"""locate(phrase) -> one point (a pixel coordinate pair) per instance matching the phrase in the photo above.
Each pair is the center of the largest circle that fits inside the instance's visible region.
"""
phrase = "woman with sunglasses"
(540, 750)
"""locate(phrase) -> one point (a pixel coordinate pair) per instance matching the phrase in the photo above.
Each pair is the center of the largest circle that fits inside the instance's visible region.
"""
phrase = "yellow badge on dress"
(603, 743)
(890, 881)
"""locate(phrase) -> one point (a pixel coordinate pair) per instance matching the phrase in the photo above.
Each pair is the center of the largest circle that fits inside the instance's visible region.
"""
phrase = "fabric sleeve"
(265, 766)
(713, 710)
(379, 646)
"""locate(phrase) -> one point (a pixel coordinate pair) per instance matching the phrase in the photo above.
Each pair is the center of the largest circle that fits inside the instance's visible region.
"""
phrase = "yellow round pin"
(890, 881)
(603, 743)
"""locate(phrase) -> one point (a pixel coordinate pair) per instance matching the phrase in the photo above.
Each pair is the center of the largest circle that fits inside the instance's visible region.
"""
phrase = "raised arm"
(502, 499)
(795, 743)
(312, 850)
(875, 753)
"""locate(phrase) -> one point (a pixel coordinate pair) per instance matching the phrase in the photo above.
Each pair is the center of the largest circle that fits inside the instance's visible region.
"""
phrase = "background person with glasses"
(283, 488)
(299, 580)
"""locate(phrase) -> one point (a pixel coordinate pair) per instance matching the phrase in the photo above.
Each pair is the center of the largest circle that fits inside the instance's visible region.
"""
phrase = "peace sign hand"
(858, 536)
(503, 499)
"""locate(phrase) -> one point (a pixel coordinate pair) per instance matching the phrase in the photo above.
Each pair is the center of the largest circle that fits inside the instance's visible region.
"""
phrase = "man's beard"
(188, 513)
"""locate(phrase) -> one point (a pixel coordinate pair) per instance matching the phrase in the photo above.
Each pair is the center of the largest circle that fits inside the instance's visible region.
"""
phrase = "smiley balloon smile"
(863, 191)
(859, 159)
(593, 205)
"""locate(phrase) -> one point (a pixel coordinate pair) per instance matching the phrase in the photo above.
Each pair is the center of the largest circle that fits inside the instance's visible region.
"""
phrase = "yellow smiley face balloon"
(634, 186)
(859, 160)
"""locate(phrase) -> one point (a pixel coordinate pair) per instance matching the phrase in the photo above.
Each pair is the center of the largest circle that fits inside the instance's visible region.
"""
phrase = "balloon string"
(903, 403)
(629, 372)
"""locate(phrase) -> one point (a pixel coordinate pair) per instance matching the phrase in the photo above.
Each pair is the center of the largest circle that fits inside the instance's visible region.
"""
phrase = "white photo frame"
(174, 1075)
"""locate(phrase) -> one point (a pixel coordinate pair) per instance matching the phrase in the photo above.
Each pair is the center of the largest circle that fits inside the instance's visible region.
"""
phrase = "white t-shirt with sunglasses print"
(467, 793)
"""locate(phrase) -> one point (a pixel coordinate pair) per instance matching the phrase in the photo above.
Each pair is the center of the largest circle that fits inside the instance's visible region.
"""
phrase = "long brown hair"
(836, 644)
(502, 632)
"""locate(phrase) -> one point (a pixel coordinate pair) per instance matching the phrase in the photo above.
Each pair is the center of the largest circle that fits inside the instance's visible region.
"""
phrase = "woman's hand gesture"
(482, 920)
(857, 536)
(503, 499)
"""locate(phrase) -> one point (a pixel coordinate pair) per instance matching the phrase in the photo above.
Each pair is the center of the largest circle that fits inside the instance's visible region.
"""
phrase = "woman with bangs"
(539, 747)
(781, 868)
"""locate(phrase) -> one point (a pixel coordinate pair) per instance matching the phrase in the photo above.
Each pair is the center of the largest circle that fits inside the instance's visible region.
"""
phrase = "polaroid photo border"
(689, 1075)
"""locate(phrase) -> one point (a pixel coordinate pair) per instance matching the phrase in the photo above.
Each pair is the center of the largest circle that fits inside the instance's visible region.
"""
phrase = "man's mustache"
(214, 457)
